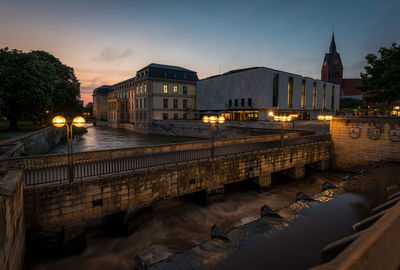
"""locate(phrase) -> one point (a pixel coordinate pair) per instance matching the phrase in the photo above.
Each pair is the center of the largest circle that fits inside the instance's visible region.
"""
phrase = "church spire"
(332, 48)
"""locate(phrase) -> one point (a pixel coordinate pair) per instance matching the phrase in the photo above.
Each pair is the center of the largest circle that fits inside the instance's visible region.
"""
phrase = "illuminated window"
(324, 97)
(141, 89)
(290, 92)
(145, 88)
(275, 91)
(165, 87)
(303, 93)
(314, 95)
(175, 89)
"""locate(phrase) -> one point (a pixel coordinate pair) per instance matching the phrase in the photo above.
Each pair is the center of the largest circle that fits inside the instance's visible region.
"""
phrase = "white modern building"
(252, 93)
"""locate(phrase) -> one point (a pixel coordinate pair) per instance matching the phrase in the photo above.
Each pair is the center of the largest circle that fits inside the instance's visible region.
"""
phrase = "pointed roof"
(332, 48)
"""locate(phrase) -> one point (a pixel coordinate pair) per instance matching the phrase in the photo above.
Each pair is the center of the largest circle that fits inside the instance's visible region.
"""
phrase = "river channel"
(104, 138)
(178, 226)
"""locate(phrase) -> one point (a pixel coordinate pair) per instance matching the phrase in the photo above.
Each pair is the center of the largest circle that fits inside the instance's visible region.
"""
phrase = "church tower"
(332, 68)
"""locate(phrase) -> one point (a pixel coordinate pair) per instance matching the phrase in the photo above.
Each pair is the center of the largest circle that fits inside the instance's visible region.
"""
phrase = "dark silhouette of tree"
(381, 80)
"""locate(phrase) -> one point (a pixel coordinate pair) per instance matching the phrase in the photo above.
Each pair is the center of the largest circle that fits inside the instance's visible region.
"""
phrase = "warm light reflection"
(206, 119)
(221, 119)
(213, 119)
(78, 121)
(58, 121)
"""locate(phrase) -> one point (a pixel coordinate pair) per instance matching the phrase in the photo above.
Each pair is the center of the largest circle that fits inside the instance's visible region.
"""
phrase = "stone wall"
(363, 141)
(55, 159)
(12, 227)
(36, 143)
(76, 203)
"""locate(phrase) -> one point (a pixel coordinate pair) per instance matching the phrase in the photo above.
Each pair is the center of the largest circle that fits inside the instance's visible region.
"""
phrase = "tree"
(350, 103)
(381, 80)
(32, 83)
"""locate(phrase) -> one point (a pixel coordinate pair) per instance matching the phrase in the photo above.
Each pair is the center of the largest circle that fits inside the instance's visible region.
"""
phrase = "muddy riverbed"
(182, 227)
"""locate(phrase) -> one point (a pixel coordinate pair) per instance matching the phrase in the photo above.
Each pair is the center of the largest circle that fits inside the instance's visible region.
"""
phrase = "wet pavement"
(104, 138)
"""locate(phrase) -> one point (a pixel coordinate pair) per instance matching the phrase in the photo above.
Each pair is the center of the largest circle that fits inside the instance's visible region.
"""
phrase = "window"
(230, 103)
(275, 90)
(137, 103)
(175, 89)
(184, 88)
(184, 105)
(290, 92)
(185, 116)
(175, 104)
(140, 103)
(165, 116)
(165, 87)
(249, 102)
(236, 103)
(144, 103)
(314, 95)
(324, 97)
(176, 116)
(137, 90)
(303, 93)
(165, 103)
(333, 98)
(145, 88)
(165, 74)
(242, 102)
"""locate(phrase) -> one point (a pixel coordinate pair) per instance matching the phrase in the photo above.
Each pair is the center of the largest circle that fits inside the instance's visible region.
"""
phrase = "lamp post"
(282, 119)
(294, 117)
(78, 121)
(213, 120)
(324, 118)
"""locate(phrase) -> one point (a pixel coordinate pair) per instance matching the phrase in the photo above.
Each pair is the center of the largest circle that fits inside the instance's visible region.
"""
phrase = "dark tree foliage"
(35, 82)
(381, 80)
(350, 103)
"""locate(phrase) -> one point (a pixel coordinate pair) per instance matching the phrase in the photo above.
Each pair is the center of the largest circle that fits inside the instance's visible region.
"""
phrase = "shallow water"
(103, 138)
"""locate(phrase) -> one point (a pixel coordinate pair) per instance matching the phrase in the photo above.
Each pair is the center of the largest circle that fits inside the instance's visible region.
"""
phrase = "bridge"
(129, 183)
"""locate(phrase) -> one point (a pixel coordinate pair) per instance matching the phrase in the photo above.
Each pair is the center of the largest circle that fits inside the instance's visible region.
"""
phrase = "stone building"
(157, 92)
(252, 93)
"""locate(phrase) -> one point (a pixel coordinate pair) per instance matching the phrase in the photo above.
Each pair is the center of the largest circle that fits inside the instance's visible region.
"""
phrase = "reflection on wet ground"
(104, 138)
(294, 242)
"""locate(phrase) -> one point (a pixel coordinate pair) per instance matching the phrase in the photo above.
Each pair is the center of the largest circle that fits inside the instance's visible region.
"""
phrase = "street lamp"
(294, 117)
(282, 119)
(324, 118)
(213, 120)
(78, 121)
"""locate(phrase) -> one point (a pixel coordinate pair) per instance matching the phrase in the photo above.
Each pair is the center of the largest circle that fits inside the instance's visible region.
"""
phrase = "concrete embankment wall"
(36, 143)
(363, 141)
(37, 161)
(55, 206)
(12, 226)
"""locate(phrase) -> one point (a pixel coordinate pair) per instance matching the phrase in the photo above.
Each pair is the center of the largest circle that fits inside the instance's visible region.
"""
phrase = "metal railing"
(91, 169)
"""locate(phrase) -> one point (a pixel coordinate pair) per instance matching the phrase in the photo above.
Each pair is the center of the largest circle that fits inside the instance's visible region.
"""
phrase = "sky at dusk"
(108, 41)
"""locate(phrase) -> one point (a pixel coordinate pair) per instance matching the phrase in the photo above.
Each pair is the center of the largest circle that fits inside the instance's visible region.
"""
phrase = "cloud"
(111, 54)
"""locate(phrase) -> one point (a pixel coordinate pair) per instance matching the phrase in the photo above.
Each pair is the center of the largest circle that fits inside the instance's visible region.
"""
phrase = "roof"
(349, 87)
(166, 67)
(104, 89)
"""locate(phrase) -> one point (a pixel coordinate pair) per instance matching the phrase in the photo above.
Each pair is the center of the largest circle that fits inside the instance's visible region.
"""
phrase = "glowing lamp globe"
(213, 119)
(221, 119)
(78, 121)
(58, 121)
(206, 119)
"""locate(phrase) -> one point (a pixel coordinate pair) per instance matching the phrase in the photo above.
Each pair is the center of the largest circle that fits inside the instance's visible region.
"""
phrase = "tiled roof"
(349, 87)
(165, 67)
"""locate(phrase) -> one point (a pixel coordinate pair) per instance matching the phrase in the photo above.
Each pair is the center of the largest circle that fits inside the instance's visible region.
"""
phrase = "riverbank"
(178, 225)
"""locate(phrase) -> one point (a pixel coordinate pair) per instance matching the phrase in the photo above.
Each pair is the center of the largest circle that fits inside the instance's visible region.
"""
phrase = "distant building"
(156, 92)
(332, 71)
(252, 93)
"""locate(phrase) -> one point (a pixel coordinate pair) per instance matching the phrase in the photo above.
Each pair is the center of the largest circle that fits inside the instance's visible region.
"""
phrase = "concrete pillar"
(215, 194)
(322, 165)
(263, 181)
(296, 173)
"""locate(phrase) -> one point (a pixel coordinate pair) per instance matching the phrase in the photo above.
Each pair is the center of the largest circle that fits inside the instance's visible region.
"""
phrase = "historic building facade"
(157, 92)
(253, 93)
